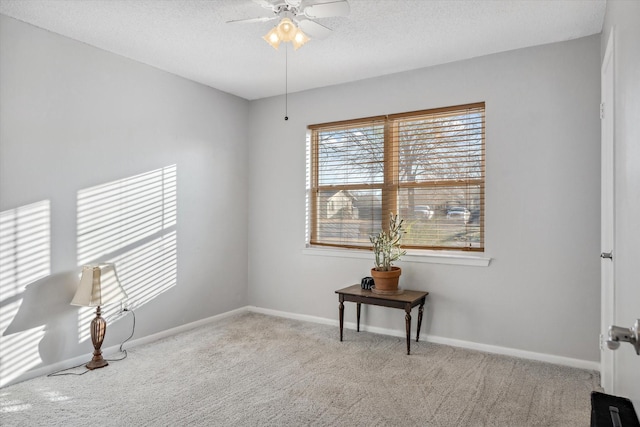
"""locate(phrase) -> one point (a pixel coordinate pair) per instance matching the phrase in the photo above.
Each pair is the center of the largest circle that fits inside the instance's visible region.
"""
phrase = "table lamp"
(99, 285)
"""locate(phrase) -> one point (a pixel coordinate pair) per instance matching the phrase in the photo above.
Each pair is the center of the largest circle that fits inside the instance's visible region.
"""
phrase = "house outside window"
(427, 166)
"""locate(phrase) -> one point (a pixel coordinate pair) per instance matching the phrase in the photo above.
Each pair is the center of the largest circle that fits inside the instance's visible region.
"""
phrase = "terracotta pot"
(386, 282)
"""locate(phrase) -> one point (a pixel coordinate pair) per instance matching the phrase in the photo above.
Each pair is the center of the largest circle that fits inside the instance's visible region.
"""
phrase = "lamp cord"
(286, 82)
(133, 329)
(64, 371)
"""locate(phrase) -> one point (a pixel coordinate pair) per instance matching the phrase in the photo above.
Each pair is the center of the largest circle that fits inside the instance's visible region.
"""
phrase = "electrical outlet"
(124, 306)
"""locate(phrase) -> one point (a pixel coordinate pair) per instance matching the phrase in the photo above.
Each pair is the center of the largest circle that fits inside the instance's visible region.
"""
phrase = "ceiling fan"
(297, 19)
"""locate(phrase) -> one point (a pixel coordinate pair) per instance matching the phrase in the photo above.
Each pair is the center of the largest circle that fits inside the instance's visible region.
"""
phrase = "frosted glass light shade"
(286, 31)
(299, 39)
(272, 38)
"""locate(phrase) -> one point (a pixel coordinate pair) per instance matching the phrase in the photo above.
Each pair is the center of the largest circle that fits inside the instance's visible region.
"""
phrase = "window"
(428, 166)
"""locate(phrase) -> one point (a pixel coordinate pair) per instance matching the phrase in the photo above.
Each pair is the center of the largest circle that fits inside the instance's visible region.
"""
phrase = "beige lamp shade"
(99, 285)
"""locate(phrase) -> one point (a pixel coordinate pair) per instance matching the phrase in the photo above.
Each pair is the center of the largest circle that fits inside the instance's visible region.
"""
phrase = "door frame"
(607, 210)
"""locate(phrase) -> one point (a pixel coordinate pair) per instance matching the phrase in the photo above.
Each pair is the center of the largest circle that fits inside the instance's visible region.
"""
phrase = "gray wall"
(623, 17)
(541, 292)
(72, 118)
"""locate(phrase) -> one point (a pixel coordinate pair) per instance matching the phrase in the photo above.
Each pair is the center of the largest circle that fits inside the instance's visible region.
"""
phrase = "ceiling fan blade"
(325, 10)
(294, 3)
(264, 3)
(252, 20)
(313, 29)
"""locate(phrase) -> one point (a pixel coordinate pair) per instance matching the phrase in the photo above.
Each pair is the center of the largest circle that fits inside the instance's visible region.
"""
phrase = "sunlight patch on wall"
(149, 269)
(130, 222)
(124, 212)
(24, 258)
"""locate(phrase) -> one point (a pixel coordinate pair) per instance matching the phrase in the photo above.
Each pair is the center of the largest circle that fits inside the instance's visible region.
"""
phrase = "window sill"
(429, 257)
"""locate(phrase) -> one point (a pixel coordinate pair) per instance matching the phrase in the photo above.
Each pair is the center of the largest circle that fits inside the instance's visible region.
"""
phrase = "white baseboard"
(506, 351)
(542, 357)
(179, 329)
(522, 354)
(294, 316)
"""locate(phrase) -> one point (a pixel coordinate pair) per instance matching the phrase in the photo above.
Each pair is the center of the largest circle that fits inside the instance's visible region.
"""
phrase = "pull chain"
(286, 82)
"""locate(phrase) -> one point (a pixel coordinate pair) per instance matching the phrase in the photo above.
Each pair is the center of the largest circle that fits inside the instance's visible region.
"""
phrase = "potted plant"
(386, 248)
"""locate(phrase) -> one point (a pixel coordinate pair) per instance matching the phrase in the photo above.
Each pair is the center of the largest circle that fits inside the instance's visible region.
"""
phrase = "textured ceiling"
(191, 38)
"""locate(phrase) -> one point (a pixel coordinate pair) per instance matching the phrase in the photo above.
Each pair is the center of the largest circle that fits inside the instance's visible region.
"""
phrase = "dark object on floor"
(612, 411)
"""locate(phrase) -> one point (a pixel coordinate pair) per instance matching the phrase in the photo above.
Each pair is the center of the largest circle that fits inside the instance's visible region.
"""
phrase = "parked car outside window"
(426, 211)
(459, 213)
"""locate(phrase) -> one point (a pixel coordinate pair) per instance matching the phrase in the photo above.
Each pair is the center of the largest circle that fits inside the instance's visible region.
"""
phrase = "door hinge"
(601, 110)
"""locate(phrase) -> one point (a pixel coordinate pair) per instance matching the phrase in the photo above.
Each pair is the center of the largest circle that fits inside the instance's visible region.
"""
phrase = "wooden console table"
(406, 300)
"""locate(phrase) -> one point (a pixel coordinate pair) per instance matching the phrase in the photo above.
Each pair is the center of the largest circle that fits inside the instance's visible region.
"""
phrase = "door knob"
(619, 334)
(607, 255)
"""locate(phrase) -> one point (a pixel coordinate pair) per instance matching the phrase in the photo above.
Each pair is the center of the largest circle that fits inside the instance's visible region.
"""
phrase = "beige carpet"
(257, 370)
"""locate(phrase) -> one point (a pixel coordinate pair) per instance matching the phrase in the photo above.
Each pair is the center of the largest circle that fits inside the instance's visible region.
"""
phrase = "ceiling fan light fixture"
(286, 31)
(273, 38)
(299, 39)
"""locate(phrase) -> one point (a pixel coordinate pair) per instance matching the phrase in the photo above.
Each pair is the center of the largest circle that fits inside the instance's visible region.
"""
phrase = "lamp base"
(98, 329)
(96, 363)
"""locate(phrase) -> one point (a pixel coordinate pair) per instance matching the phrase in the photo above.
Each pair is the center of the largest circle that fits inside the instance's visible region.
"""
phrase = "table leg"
(420, 311)
(358, 310)
(407, 318)
(341, 310)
